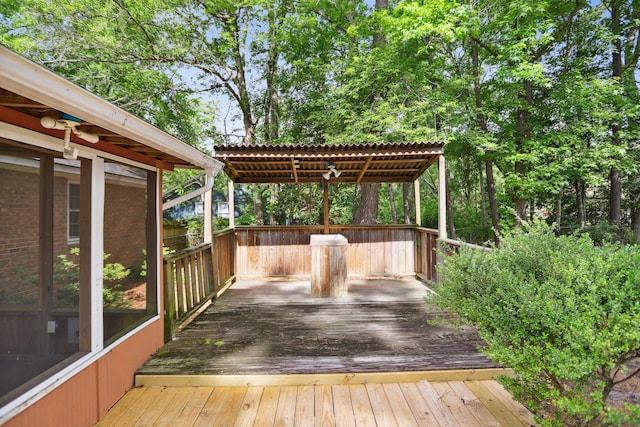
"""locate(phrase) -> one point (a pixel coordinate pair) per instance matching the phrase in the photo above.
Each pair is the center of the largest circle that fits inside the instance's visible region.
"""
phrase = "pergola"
(356, 163)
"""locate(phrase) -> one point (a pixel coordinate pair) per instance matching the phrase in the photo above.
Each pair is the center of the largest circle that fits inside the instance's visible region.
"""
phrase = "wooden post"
(416, 196)
(325, 198)
(46, 225)
(442, 199)
(154, 213)
(442, 213)
(208, 219)
(232, 208)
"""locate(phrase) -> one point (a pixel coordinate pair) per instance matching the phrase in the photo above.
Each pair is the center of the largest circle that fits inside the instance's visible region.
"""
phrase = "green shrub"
(66, 276)
(562, 312)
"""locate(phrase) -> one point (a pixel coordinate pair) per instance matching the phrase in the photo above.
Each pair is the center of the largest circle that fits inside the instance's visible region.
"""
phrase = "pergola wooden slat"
(358, 163)
(398, 162)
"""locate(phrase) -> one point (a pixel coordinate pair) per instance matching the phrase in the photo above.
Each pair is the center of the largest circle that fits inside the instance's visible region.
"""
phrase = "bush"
(66, 276)
(562, 312)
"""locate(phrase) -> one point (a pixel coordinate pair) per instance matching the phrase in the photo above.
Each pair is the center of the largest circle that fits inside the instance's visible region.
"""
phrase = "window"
(73, 212)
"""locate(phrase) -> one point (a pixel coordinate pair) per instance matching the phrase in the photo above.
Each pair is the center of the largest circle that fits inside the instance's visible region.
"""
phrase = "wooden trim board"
(317, 379)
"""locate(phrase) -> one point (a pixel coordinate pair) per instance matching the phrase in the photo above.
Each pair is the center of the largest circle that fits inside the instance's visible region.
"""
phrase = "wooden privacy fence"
(380, 250)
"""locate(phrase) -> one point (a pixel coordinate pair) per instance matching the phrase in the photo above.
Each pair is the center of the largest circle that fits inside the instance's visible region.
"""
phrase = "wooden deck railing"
(381, 250)
(188, 283)
(224, 254)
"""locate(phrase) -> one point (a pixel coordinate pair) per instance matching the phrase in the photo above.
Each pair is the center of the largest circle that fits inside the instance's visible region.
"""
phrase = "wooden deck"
(423, 403)
(275, 327)
(267, 354)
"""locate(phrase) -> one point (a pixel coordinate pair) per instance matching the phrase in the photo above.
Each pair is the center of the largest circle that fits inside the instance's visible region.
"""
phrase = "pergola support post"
(442, 212)
(416, 197)
(232, 202)
(208, 216)
(325, 203)
(442, 198)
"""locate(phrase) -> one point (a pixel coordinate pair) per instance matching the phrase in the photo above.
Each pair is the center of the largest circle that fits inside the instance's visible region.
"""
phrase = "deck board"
(404, 404)
(275, 327)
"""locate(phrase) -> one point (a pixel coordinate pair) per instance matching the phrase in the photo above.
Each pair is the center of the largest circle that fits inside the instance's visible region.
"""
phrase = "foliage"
(562, 312)
(66, 278)
(525, 85)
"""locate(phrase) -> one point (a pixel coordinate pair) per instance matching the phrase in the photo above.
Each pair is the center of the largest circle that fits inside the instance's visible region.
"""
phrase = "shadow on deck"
(274, 327)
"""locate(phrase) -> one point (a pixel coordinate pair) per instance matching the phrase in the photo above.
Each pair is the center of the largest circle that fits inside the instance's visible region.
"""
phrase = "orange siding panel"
(88, 395)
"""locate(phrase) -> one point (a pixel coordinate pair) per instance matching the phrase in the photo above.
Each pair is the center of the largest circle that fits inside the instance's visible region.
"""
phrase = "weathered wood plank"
(269, 327)
(284, 251)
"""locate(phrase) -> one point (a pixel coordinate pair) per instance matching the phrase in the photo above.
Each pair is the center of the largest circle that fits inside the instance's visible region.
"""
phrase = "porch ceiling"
(17, 109)
(370, 162)
(29, 92)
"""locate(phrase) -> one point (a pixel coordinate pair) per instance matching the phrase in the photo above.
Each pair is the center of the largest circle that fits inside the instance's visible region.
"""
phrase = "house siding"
(87, 396)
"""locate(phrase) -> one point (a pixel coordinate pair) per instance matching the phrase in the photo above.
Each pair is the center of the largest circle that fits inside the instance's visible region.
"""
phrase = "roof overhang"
(29, 91)
(399, 162)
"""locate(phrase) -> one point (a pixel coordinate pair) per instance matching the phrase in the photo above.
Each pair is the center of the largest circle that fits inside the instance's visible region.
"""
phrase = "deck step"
(265, 380)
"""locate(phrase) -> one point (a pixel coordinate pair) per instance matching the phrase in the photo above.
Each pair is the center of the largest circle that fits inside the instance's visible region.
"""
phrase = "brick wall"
(125, 224)
(124, 239)
(18, 234)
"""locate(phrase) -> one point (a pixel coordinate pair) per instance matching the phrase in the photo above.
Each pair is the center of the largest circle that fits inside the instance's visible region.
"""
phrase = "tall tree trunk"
(615, 183)
(581, 202)
(488, 164)
(240, 80)
(273, 199)
(483, 201)
(367, 209)
(406, 202)
(258, 204)
(271, 98)
(523, 134)
(493, 203)
(392, 202)
(636, 223)
(559, 211)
